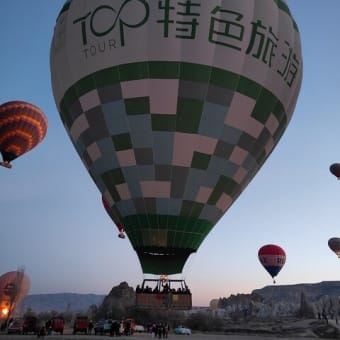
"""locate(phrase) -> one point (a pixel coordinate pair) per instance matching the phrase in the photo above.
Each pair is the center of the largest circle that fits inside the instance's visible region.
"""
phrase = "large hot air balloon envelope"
(173, 107)
(334, 245)
(272, 258)
(22, 127)
(335, 170)
(14, 286)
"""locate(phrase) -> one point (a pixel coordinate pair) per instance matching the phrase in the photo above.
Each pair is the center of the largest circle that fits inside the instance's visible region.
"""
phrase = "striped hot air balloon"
(272, 258)
(173, 107)
(22, 127)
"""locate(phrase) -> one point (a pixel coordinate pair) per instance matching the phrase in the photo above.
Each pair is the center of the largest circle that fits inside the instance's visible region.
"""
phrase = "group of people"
(163, 289)
(159, 330)
(117, 329)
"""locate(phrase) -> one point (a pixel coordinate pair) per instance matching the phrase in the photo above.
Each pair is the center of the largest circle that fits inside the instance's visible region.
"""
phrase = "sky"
(52, 221)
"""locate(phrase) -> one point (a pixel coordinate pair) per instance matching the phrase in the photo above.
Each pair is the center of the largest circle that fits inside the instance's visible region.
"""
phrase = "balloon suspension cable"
(6, 164)
(274, 282)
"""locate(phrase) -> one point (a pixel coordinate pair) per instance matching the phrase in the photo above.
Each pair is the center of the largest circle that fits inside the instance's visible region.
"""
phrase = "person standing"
(165, 330)
(42, 332)
(153, 330)
(90, 327)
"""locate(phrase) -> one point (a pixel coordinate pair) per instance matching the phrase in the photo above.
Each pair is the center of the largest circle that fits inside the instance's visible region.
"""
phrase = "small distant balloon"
(22, 127)
(272, 258)
(334, 245)
(335, 170)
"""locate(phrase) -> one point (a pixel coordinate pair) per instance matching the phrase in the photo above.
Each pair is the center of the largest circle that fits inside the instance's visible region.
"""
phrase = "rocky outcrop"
(307, 309)
(120, 297)
(301, 300)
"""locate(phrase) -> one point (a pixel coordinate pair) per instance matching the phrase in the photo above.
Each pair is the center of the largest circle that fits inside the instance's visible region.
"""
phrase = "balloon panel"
(173, 119)
(272, 270)
(22, 127)
(111, 214)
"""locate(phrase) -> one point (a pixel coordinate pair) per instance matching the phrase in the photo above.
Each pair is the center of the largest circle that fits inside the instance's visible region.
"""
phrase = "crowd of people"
(159, 330)
(162, 288)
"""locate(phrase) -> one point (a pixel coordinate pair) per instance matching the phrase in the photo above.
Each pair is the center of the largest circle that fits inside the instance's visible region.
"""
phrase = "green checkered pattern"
(170, 173)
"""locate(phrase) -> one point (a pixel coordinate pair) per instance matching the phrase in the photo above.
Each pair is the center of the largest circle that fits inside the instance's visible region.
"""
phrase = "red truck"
(81, 324)
(56, 324)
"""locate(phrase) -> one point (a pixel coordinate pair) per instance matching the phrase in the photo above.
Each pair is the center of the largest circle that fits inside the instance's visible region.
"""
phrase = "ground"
(292, 329)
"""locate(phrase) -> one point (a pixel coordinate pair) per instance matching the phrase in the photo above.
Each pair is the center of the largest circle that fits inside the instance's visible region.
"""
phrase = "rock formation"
(301, 300)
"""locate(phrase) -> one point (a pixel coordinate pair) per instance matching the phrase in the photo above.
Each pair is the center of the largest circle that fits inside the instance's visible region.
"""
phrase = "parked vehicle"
(56, 324)
(81, 324)
(30, 325)
(182, 330)
(103, 327)
(139, 328)
(15, 327)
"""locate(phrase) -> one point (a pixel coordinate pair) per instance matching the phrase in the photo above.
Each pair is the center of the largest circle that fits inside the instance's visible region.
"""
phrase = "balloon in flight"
(173, 107)
(334, 245)
(335, 170)
(272, 258)
(22, 127)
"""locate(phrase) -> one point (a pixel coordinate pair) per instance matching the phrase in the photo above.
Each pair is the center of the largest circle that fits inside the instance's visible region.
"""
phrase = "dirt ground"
(148, 336)
(297, 329)
(140, 336)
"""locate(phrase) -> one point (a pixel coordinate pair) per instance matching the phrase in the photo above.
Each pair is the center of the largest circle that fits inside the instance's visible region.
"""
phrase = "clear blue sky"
(51, 217)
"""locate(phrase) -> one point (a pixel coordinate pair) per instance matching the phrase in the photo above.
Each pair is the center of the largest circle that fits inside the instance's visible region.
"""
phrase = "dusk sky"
(54, 225)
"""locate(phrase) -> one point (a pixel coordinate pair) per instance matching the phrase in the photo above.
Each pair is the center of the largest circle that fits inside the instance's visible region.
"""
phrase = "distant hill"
(60, 302)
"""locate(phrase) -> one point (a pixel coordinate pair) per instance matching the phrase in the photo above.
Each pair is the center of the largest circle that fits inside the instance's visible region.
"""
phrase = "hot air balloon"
(22, 127)
(173, 107)
(335, 170)
(272, 258)
(119, 226)
(334, 245)
(14, 286)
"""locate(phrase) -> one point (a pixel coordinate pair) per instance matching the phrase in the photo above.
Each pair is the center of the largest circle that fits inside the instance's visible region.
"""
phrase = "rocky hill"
(302, 300)
(60, 302)
(313, 291)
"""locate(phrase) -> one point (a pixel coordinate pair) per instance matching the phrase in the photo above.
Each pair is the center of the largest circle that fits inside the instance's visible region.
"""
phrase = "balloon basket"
(6, 165)
(163, 294)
